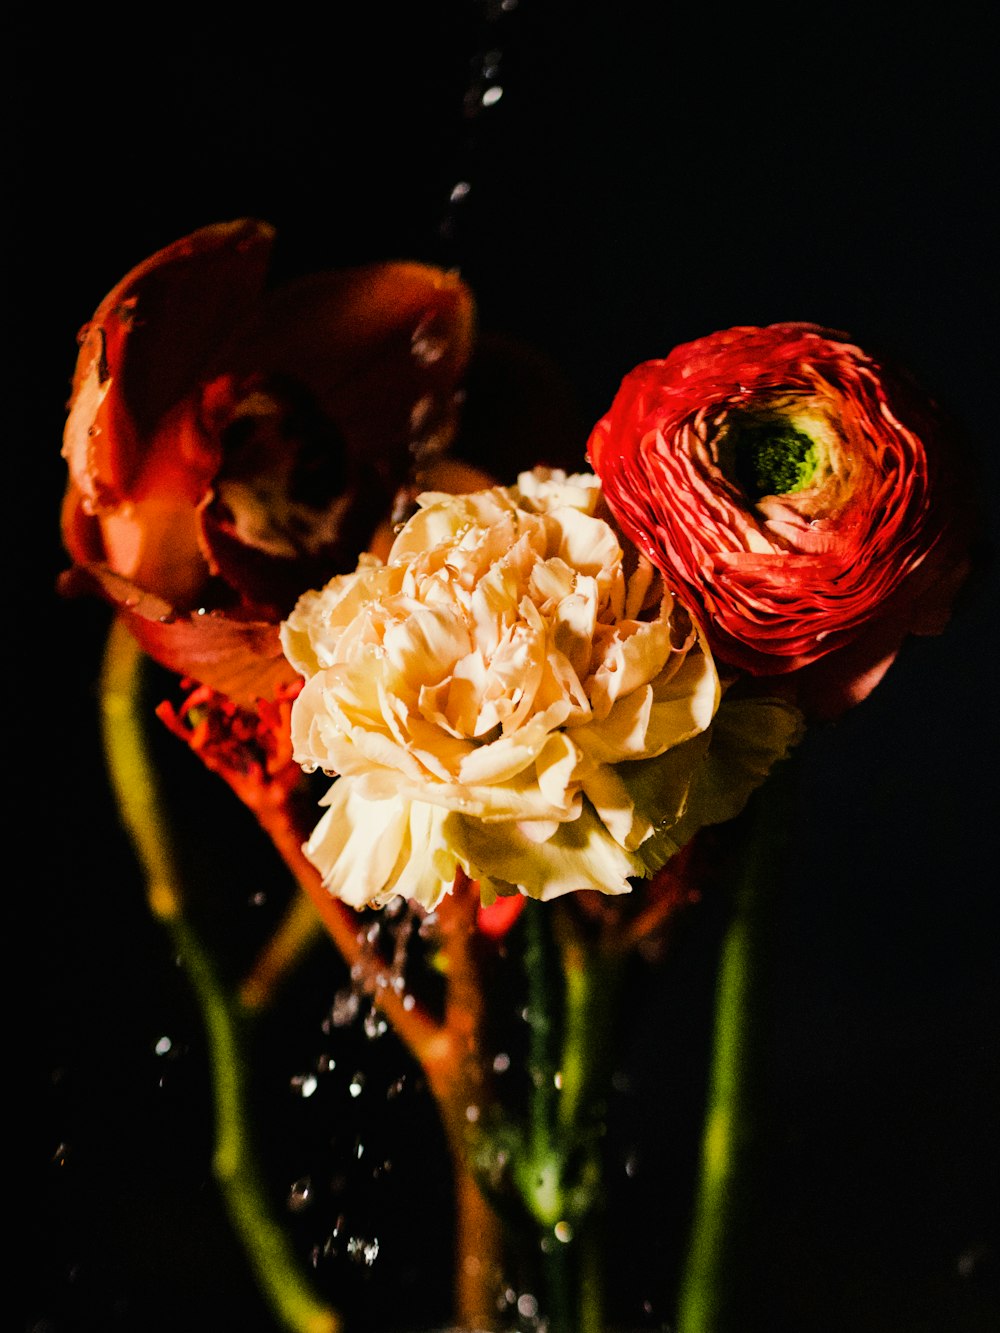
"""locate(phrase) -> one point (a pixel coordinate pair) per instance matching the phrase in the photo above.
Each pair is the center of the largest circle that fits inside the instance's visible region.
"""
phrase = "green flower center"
(768, 456)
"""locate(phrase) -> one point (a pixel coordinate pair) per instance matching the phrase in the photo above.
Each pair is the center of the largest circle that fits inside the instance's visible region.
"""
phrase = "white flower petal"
(485, 680)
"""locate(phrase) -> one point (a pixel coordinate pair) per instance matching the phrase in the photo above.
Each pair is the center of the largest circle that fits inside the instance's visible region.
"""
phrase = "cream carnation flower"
(491, 698)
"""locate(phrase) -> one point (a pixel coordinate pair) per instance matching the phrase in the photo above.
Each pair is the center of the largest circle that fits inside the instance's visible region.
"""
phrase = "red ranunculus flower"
(231, 443)
(800, 496)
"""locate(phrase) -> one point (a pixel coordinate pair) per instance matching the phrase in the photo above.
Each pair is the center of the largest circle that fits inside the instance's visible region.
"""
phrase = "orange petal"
(240, 658)
(382, 347)
(148, 344)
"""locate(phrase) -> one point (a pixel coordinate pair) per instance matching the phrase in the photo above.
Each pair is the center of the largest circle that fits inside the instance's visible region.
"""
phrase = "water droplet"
(345, 1008)
(472, 1114)
(258, 899)
(427, 343)
(501, 1063)
(363, 1251)
(492, 95)
(631, 1164)
(375, 1025)
(356, 1085)
(527, 1305)
(557, 1079)
(163, 1046)
(459, 191)
(563, 1232)
(394, 1089)
(61, 1155)
(408, 1002)
(300, 1194)
(304, 1084)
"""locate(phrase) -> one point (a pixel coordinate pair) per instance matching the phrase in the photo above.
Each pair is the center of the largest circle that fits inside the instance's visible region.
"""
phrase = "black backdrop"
(650, 173)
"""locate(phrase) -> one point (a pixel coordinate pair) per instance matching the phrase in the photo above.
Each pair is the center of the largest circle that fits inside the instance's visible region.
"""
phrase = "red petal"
(498, 918)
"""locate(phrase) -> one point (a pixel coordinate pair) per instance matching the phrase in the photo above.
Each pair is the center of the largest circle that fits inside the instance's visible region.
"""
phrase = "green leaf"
(747, 738)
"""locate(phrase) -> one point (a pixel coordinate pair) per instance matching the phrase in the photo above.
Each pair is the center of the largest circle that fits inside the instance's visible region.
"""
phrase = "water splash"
(362, 1250)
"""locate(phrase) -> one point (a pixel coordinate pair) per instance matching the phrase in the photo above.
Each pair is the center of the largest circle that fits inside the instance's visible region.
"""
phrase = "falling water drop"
(356, 1085)
(304, 1084)
(300, 1194)
(363, 1251)
(345, 1008)
(527, 1305)
(375, 1025)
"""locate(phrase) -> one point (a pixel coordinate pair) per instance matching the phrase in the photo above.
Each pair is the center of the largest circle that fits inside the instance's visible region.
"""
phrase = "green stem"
(592, 980)
(721, 1225)
(141, 806)
(561, 1177)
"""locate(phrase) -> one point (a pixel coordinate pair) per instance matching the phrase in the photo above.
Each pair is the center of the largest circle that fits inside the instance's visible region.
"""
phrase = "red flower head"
(797, 494)
(230, 444)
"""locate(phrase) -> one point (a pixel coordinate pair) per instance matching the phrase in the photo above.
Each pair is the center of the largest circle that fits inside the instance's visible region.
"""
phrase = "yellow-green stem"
(722, 1228)
(140, 804)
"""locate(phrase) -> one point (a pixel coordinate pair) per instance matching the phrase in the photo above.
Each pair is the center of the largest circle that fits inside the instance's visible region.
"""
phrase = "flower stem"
(140, 804)
(592, 975)
(301, 925)
(561, 1175)
(447, 1052)
(458, 1084)
(721, 1224)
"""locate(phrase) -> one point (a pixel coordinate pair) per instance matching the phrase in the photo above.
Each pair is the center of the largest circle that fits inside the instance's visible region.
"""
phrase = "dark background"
(650, 174)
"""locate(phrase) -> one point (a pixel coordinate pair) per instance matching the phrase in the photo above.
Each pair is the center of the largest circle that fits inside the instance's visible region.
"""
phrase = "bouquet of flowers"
(503, 730)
